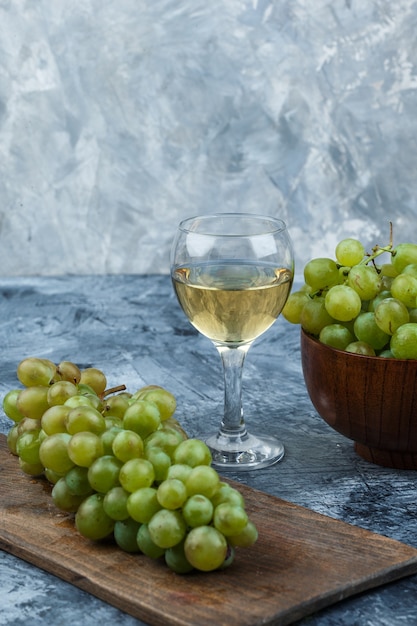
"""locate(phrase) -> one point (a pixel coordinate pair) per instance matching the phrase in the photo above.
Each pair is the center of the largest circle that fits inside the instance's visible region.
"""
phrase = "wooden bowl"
(371, 400)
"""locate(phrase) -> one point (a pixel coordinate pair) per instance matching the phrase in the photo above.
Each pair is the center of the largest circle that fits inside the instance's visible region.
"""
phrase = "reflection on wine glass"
(232, 274)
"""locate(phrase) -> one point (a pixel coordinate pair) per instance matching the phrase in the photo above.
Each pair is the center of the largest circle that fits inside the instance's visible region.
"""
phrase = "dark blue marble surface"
(132, 328)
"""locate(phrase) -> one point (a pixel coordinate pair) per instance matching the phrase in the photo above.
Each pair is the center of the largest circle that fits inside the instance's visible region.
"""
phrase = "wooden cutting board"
(302, 562)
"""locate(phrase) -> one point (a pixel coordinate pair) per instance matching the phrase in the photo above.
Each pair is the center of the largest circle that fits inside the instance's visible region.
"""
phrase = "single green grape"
(246, 538)
(27, 447)
(103, 473)
(140, 393)
(108, 437)
(54, 419)
(360, 347)
(135, 474)
(403, 343)
(28, 423)
(336, 336)
(142, 504)
(85, 419)
(192, 452)
(143, 417)
(404, 288)
(179, 470)
(34, 372)
(91, 520)
(404, 254)
(410, 270)
(94, 378)
(321, 273)
(229, 519)
(77, 481)
(146, 545)
(343, 303)
(294, 306)
(372, 304)
(164, 400)
(59, 392)
(387, 270)
(314, 316)
(33, 401)
(198, 511)
(125, 534)
(86, 390)
(365, 280)
(84, 448)
(166, 439)
(161, 462)
(205, 548)
(390, 314)
(116, 405)
(51, 476)
(115, 504)
(171, 493)
(10, 405)
(127, 444)
(204, 480)
(349, 252)
(64, 499)
(167, 528)
(172, 425)
(367, 330)
(226, 493)
(112, 421)
(54, 453)
(69, 371)
(176, 560)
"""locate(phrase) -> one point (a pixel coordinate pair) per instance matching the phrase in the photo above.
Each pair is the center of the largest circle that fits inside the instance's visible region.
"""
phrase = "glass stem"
(233, 423)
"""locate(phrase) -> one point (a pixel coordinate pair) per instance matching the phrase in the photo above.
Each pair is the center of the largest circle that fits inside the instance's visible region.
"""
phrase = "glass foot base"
(244, 453)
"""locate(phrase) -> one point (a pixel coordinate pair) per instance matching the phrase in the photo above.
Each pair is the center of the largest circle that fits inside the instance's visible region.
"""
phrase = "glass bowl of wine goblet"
(232, 274)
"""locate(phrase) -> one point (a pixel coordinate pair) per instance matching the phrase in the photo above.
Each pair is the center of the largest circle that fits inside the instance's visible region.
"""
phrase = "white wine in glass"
(232, 274)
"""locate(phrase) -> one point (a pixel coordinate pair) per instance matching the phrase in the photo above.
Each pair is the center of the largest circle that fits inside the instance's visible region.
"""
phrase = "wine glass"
(232, 274)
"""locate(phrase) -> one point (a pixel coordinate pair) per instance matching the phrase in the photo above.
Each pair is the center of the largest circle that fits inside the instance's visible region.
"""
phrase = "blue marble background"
(119, 118)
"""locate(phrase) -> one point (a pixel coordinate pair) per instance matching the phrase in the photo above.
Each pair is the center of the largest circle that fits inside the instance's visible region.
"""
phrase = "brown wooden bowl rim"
(353, 355)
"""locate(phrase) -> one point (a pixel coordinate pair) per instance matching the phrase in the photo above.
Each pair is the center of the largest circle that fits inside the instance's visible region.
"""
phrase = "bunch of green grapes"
(353, 303)
(123, 465)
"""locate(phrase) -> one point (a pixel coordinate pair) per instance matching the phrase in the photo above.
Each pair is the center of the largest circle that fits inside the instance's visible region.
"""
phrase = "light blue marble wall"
(120, 117)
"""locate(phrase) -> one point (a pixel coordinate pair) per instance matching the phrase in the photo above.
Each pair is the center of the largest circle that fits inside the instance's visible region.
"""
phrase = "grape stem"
(378, 250)
(113, 390)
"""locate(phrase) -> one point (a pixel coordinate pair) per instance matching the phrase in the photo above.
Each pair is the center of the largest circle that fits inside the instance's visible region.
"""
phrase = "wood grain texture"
(303, 561)
(359, 397)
